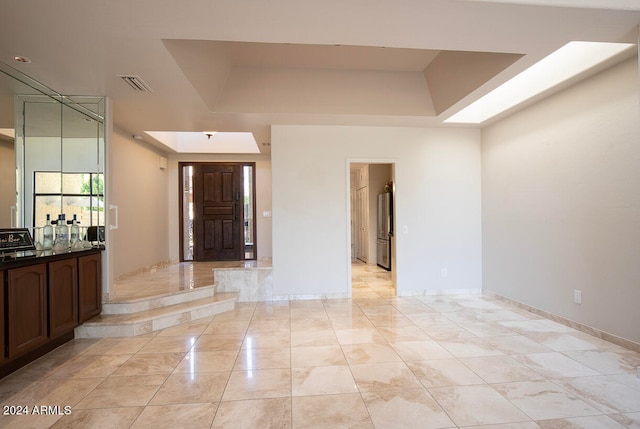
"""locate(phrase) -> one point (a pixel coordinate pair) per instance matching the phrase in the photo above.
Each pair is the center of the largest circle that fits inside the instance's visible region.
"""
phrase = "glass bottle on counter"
(38, 238)
(76, 240)
(62, 235)
(47, 234)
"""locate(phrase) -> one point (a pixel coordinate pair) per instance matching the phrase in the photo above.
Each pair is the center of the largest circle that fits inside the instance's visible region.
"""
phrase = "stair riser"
(252, 284)
(89, 330)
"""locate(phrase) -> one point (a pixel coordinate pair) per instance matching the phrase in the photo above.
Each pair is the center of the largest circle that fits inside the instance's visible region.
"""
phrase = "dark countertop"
(22, 259)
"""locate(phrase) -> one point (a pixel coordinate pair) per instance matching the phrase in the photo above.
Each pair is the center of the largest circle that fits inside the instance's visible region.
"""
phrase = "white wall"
(263, 198)
(437, 174)
(139, 188)
(561, 203)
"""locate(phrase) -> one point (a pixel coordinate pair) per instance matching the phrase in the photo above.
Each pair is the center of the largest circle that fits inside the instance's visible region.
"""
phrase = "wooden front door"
(218, 217)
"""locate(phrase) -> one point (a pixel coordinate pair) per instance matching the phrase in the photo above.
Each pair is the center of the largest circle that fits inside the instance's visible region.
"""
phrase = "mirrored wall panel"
(58, 147)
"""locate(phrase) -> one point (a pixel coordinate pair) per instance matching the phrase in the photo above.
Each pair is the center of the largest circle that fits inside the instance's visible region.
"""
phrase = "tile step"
(130, 306)
(144, 322)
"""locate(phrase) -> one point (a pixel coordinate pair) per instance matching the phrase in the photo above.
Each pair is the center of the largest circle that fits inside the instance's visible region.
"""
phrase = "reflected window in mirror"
(79, 194)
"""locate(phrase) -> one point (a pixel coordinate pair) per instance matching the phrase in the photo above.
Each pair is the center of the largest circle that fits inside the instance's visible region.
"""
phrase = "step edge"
(163, 295)
(131, 307)
(147, 318)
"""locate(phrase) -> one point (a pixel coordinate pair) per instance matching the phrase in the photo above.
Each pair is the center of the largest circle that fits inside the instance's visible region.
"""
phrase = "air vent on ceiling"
(136, 83)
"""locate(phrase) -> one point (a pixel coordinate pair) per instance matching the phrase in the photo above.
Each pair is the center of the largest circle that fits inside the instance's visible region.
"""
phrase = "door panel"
(90, 286)
(63, 296)
(228, 239)
(218, 212)
(27, 309)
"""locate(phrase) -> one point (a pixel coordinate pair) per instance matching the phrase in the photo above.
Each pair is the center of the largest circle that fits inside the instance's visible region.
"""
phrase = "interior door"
(218, 212)
(362, 201)
(354, 220)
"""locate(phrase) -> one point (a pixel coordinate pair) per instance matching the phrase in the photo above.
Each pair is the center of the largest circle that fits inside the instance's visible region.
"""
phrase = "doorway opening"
(372, 252)
(217, 211)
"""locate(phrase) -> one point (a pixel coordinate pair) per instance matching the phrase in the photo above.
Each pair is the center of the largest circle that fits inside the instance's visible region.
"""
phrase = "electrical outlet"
(444, 272)
(405, 229)
(577, 296)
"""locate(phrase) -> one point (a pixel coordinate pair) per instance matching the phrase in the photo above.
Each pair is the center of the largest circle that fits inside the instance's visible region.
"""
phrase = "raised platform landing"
(177, 293)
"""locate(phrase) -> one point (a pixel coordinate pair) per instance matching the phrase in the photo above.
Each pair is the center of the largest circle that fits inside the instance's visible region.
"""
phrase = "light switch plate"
(577, 296)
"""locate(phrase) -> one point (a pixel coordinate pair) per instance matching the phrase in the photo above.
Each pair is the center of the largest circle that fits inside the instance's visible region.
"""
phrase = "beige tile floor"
(372, 361)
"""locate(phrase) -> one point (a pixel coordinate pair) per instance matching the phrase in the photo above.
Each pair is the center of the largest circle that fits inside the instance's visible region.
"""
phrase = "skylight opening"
(207, 141)
(561, 65)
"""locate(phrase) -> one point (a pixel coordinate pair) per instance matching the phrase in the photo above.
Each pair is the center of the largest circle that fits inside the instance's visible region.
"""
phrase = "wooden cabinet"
(63, 296)
(26, 306)
(3, 352)
(42, 300)
(90, 286)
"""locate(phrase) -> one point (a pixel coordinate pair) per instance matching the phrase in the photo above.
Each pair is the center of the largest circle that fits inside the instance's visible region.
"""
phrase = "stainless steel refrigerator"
(385, 230)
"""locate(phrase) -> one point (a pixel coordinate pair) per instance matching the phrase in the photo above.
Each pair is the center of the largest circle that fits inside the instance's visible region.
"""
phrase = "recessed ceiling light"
(20, 59)
(561, 65)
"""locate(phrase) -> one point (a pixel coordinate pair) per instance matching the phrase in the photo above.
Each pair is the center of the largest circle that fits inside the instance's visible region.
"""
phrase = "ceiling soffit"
(331, 79)
(453, 75)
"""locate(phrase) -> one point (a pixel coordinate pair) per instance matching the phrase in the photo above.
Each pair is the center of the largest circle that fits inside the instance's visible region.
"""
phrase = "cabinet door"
(90, 286)
(3, 354)
(26, 308)
(63, 296)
